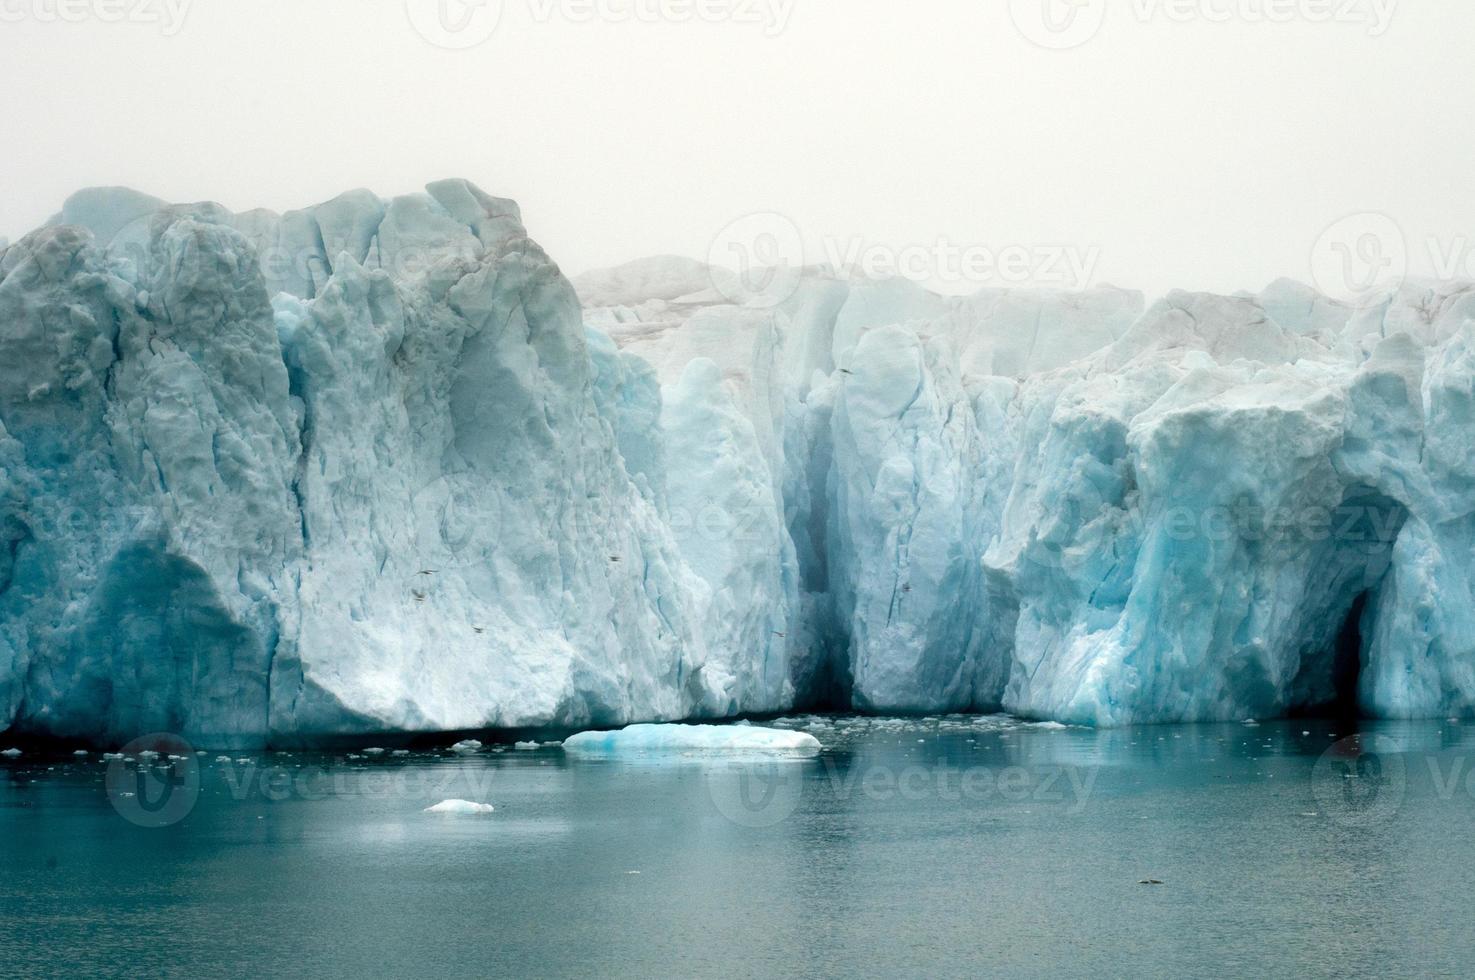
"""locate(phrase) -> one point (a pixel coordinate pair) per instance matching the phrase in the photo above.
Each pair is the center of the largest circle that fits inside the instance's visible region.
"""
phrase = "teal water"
(939, 847)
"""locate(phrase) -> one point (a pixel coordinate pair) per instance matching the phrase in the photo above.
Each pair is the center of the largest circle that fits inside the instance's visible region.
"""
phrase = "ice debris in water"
(467, 746)
(11, 753)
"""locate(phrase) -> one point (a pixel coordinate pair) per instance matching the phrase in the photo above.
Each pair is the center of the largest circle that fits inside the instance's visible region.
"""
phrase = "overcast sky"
(1175, 143)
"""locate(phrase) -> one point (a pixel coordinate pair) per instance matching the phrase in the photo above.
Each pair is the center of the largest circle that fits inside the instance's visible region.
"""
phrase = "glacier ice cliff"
(377, 465)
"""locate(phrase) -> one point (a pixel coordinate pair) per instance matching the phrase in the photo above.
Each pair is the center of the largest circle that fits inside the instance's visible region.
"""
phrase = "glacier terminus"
(379, 466)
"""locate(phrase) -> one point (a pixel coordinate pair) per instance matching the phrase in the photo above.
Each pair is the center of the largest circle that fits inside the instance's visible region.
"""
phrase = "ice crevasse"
(377, 465)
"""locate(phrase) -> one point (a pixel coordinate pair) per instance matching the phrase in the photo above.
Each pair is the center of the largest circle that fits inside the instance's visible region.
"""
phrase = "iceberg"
(698, 739)
(377, 466)
(461, 808)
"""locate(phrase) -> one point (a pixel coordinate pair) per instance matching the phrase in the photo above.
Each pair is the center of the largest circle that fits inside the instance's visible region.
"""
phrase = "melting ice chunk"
(692, 738)
(461, 808)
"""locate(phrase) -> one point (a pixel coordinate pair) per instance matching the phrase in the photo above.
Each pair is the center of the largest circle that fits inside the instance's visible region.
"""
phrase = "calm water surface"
(937, 847)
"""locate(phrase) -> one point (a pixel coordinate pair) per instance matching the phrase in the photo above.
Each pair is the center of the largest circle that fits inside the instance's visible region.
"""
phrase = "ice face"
(386, 498)
(1067, 506)
(369, 466)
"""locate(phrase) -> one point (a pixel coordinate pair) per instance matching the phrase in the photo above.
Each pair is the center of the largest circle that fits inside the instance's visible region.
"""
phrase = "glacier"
(378, 466)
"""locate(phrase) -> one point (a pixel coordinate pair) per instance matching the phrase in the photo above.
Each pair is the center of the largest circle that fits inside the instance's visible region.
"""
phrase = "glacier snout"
(377, 465)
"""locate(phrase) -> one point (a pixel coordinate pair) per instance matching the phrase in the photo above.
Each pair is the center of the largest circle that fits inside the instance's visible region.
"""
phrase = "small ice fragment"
(525, 746)
(468, 746)
(222, 758)
(148, 754)
(373, 751)
(461, 808)
(400, 753)
(80, 753)
(11, 753)
(113, 756)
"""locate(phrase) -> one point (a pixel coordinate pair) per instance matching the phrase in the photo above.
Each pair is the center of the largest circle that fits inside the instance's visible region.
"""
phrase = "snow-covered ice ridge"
(372, 466)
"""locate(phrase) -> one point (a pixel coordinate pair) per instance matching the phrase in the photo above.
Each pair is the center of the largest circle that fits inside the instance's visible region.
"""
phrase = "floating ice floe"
(461, 808)
(692, 738)
(11, 753)
(467, 747)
